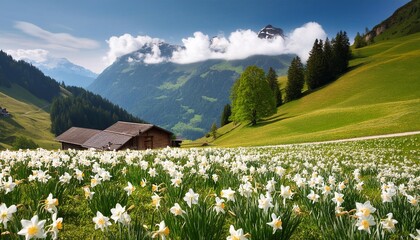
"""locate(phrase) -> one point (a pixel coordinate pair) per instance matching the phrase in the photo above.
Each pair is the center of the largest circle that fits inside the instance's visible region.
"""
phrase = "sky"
(93, 33)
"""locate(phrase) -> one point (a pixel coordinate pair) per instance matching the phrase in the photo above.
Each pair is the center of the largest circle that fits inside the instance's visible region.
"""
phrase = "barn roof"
(132, 129)
(107, 141)
(76, 135)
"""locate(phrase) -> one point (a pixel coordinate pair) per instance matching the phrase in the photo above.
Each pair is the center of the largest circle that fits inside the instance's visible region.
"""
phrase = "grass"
(379, 95)
(30, 118)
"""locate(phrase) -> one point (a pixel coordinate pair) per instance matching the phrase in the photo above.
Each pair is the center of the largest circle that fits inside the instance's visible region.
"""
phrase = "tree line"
(28, 77)
(85, 109)
(255, 95)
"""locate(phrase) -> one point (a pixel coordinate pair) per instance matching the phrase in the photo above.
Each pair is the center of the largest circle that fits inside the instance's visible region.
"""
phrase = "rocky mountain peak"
(269, 32)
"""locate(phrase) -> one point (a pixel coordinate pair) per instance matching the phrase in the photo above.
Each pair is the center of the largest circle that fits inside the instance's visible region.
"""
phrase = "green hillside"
(29, 118)
(379, 95)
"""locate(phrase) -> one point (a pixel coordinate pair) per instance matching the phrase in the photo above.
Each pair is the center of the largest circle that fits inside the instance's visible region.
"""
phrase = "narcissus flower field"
(355, 190)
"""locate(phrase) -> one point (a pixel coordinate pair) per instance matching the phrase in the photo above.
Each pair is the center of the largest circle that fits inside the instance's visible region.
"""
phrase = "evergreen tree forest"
(28, 77)
(85, 109)
(327, 61)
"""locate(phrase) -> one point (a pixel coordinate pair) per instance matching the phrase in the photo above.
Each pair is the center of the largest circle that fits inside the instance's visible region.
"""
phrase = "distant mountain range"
(62, 70)
(183, 98)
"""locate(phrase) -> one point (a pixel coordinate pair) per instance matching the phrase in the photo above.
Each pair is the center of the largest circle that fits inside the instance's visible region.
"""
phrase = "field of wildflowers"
(355, 190)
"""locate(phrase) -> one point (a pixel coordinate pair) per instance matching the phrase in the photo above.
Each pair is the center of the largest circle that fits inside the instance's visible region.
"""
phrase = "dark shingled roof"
(76, 135)
(101, 140)
(132, 129)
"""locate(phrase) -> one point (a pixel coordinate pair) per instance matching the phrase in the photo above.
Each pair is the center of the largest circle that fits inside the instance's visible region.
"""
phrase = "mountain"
(404, 21)
(269, 32)
(184, 98)
(65, 71)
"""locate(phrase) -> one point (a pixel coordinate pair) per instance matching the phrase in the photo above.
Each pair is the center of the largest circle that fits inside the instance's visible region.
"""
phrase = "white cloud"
(119, 46)
(56, 40)
(302, 39)
(200, 47)
(33, 55)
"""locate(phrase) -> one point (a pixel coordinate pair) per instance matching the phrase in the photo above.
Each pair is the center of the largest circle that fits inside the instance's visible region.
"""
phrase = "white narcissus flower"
(79, 175)
(412, 200)
(101, 221)
(156, 200)
(416, 237)
(359, 186)
(276, 222)
(338, 198)
(129, 189)
(265, 202)
(229, 194)
(65, 178)
(6, 213)
(191, 197)
(286, 193)
(364, 223)
(236, 234)
(364, 210)
(56, 225)
(143, 183)
(215, 178)
(88, 193)
(9, 185)
(177, 210)
(326, 189)
(33, 228)
(313, 196)
(176, 182)
(219, 207)
(117, 213)
(162, 232)
(51, 204)
(389, 223)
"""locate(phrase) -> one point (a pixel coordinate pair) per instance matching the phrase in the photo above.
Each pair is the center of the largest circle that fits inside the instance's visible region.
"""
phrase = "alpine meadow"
(210, 120)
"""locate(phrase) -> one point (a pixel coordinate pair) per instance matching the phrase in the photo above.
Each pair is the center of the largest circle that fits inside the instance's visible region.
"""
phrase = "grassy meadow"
(30, 118)
(355, 190)
(379, 95)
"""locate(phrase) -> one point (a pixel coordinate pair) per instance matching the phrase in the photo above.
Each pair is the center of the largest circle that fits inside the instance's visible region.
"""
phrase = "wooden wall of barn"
(161, 139)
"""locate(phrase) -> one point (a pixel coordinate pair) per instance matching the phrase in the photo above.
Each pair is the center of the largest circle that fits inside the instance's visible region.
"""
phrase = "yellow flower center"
(339, 199)
(365, 212)
(327, 188)
(278, 223)
(413, 201)
(93, 181)
(154, 188)
(101, 221)
(235, 237)
(222, 205)
(56, 202)
(59, 225)
(32, 230)
(365, 224)
(166, 231)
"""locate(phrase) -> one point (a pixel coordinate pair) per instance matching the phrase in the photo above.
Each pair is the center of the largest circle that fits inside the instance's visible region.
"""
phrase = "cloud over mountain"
(200, 47)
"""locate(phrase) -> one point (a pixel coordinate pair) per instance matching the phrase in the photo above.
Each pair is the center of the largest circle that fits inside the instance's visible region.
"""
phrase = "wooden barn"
(121, 135)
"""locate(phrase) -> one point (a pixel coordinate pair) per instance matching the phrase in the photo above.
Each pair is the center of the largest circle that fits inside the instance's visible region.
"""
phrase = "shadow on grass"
(12, 122)
(270, 120)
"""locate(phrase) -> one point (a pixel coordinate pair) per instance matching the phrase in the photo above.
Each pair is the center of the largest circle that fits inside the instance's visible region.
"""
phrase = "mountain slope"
(404, 21)
(380, 95)
(29, 118)
(185, 98)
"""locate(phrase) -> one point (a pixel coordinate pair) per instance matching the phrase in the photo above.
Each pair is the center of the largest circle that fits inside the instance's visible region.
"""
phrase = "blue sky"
(80, 30)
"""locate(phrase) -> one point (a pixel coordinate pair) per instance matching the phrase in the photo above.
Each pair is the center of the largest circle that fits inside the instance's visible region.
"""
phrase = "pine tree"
(359, 41)
(295, 80)
(213, 130)
(341, 53)
(252, 98)
(227, 112)
(274, 85)
(315, 66)
(328, 75)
